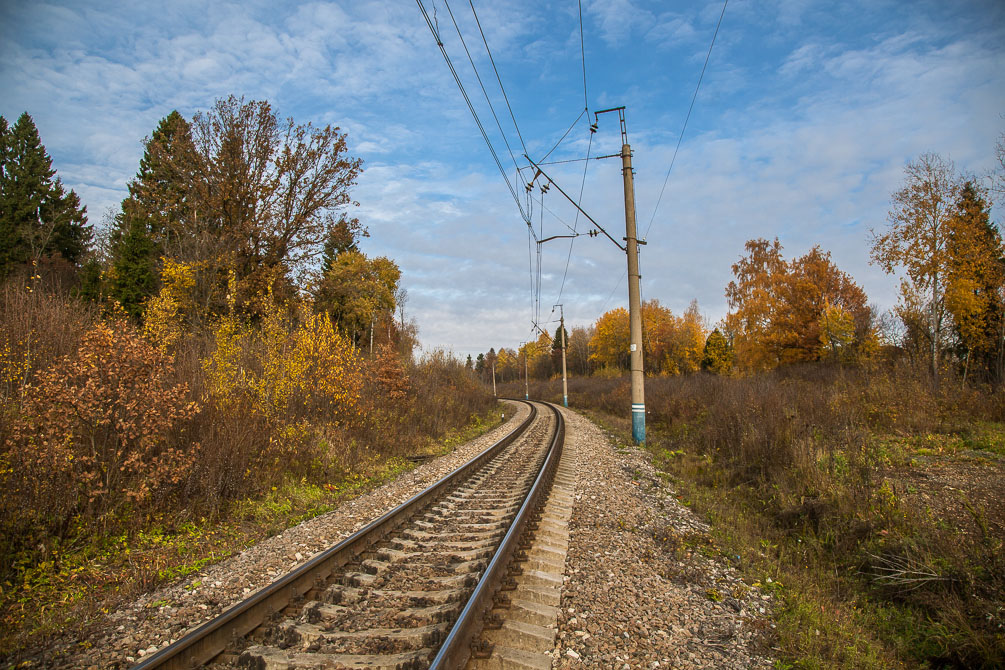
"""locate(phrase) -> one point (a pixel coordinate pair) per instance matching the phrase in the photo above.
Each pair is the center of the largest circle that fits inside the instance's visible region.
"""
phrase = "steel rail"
(456, 648)
(210, 639)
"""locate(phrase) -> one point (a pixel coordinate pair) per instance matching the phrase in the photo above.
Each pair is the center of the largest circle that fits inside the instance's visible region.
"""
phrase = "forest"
(220, 360)
(216, 362)
(950, 318)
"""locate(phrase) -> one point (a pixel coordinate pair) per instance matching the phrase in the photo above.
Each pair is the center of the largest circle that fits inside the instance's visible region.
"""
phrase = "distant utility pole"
(565, 381)
(634, 299)
(494, 379)
(631, 248)
(526, 380)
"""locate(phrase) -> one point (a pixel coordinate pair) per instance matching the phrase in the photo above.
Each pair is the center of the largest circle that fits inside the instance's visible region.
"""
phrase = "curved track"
(407, 591)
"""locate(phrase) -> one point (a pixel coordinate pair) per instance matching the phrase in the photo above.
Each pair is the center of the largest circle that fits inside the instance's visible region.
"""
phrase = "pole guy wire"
(686, 118)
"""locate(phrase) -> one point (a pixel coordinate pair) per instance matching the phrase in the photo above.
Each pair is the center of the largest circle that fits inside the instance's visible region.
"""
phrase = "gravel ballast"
(638, 592)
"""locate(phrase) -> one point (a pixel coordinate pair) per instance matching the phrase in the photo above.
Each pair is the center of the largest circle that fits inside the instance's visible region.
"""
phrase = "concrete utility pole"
(634, 299)
(494, 379)
(565, 381)
(526, 380)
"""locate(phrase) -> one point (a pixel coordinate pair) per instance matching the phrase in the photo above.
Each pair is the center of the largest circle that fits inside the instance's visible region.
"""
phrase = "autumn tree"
(39, 219)
(673, 345)
(781, 308)
(241, 190)
(577, 350)
(917, 240)
(609, 344)
(356, 289)
(717, 355)
(755, 298)
(509, 365)
(272, 189)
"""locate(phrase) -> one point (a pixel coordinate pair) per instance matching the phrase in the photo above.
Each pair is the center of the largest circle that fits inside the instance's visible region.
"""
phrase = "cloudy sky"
(805, 118)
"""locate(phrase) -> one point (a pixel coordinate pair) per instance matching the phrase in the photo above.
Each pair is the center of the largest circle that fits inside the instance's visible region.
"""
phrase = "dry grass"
(873, 500)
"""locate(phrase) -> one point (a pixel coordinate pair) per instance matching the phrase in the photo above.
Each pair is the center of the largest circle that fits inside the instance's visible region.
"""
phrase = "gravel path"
(639, 593)
(130, 633)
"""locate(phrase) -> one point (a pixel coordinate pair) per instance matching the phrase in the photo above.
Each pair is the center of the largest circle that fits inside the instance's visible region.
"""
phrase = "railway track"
(411, 589)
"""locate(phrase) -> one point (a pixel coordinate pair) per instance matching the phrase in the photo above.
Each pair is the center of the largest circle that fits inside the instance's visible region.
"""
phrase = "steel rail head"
(456, 648)
(211, 638)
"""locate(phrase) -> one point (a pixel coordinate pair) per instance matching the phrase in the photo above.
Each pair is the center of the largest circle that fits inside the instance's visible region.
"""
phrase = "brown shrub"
(99, 433)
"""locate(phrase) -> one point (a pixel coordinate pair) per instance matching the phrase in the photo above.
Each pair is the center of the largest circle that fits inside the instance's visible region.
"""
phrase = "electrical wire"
(582, 50)
(582, 187)
(566, 134)
(681, 136)
(498, 79)
(471, 108)
(485, 93)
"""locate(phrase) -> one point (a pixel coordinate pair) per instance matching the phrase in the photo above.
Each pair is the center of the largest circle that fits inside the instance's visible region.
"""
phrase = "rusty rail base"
(456, 649)
(210, 639)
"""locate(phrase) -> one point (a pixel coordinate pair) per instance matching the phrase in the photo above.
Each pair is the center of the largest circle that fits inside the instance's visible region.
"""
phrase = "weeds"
(127, 463)
(836, 483)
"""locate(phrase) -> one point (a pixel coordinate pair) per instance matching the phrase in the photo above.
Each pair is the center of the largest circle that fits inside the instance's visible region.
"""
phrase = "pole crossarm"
(556, 237)
(574, 203)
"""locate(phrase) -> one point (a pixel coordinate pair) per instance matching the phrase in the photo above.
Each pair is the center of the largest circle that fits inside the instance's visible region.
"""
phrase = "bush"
(98, 435)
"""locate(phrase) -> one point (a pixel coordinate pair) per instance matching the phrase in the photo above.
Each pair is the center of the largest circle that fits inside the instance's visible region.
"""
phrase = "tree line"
(228, 211)
(950, 316)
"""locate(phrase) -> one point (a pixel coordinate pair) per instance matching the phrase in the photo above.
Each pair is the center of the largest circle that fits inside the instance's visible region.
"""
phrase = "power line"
(582, 187)
(471, 108)
(498, 79)
(485, 93)
(681, 137)
(562, 139)
(582, 50)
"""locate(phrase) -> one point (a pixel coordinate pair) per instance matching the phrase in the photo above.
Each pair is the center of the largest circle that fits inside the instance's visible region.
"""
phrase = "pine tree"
(38, 218)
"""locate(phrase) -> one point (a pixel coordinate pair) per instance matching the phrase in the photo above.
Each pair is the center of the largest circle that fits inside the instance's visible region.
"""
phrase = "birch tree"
(917, 240)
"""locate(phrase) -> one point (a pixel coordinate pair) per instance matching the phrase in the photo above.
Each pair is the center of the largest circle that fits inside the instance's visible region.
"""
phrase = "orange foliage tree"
(609, 344)
(789, 311)
(673, 345)
(100, 431)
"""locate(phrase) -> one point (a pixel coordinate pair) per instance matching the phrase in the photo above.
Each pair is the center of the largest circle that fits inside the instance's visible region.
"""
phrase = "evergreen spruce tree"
(38, 218)
(976, 285)
(152, 219)
(134, 274)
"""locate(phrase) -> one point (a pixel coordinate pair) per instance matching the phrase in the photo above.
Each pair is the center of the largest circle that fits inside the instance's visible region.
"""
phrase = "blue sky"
(805, 118)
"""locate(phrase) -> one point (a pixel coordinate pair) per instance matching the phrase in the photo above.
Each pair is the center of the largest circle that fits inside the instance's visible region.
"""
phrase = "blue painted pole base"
(638, 422)
(565, 401)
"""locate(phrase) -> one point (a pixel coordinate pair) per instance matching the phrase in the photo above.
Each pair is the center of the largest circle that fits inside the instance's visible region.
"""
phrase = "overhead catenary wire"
(485, 93)
(582, 50)
(686, 118)
(474, 113)
(498, 78)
